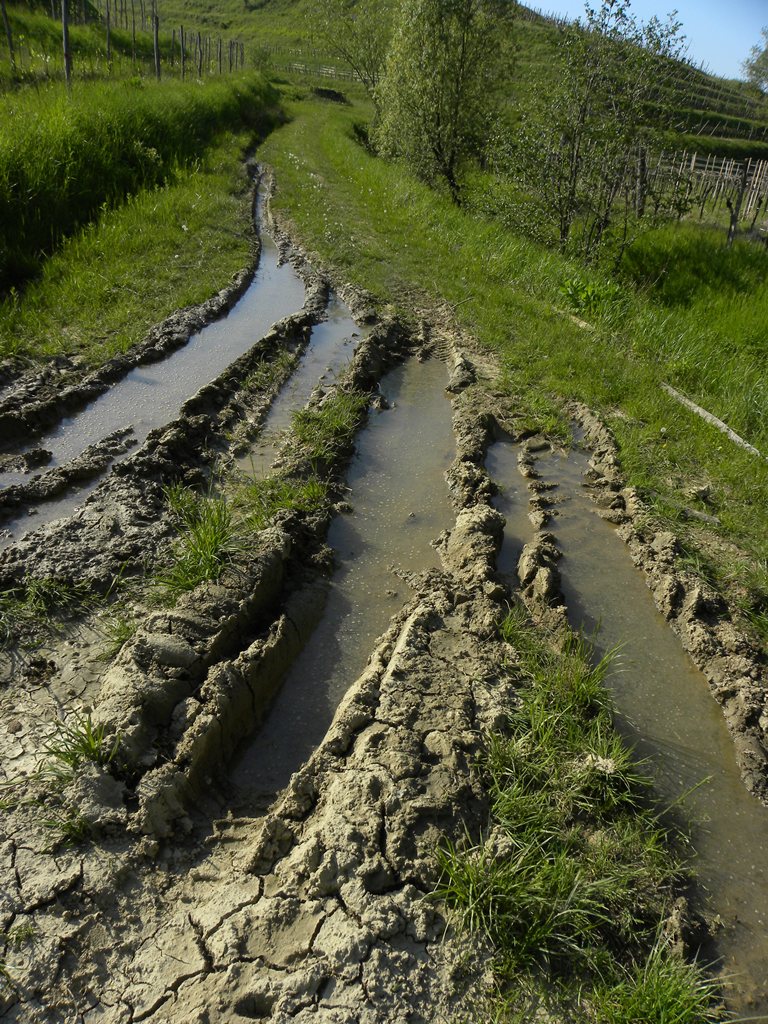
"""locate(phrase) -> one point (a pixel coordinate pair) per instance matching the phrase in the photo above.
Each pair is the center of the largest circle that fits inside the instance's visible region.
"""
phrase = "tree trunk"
(109, 38)
(182, 48)
(9, 37)
(65, 44)
(156, 38)
(133, 32)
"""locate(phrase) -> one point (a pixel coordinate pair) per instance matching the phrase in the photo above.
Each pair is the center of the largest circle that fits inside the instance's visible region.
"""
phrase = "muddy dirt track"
(208, 888)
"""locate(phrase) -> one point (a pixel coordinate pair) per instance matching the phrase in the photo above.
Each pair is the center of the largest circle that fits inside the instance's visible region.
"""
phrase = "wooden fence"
(712, 183)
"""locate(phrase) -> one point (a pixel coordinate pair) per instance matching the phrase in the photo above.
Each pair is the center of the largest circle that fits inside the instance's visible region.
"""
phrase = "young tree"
(585, 154)
(756, 65)
(357, 33)
(442, 83)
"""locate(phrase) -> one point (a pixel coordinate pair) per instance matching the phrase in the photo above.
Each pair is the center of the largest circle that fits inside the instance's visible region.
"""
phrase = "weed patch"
(206, 544)
(63, 159)
(257, 501)
(39, 603)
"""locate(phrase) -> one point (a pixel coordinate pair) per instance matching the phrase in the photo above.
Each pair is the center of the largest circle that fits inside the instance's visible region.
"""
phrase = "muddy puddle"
(665, 710)
(331, 345)
(150, 396)
(400, 504)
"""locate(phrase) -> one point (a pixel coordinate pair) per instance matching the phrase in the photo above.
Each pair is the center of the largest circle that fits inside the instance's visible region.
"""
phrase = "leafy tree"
(585, 153)
(441, 84)
(358, 33)
(756, 65)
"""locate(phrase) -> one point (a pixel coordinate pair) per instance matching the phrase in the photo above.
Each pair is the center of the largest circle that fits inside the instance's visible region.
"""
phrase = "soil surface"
(315, 906)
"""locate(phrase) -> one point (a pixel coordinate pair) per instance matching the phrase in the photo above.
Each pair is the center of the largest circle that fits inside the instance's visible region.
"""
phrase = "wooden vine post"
(65, 44)
(735, 208)
(182, 48)
(9, 37)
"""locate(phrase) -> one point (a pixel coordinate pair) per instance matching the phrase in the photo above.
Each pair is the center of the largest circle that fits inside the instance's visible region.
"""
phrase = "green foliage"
(590, 297)
(206, 542)
(76, 742)
(584, 151)
(441, 85)
(68, 828)
(117, 628)
(160, 250)
(326, 432)
(756, 65)
(37, 602)
(688, 263)
(665, 989)
(62, 160)
(357, 34)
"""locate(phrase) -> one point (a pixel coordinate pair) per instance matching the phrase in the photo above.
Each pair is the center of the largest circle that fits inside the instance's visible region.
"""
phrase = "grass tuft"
(258, 500)
(325, 432)
(206, 544)
(576, 871)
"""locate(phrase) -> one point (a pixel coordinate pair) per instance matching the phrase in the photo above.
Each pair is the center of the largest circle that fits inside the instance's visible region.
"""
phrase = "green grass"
(39, 56)
(64, 160)
(384, 231)
(206, 544)
(76, 742)
(577, 872)
(39, 603)
(258, 500)
(163, 249)
(325, 433)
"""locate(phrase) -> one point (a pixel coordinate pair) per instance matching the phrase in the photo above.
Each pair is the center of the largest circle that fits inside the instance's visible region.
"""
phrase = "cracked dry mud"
(316, 905)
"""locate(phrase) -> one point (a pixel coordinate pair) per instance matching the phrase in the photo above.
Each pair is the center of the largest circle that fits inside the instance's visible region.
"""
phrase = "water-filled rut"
(400, 504)
(665, 710)
(151, 395)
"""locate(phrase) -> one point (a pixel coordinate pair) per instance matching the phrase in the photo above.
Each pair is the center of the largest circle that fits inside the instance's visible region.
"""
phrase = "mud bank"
(319, 907)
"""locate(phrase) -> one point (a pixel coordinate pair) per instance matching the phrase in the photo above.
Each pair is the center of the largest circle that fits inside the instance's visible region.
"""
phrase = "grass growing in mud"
(576, 874)
(388, 233)
(161, 250)
(325, 432)
(213, 528)
(39, 602)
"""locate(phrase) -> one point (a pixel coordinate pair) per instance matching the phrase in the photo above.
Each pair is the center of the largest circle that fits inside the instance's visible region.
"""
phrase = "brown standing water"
(400, 504)
(331, 345)
(150, 396)
(665, 709)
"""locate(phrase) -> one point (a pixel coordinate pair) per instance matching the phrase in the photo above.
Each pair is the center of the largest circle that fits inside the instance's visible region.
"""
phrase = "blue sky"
(719, 33)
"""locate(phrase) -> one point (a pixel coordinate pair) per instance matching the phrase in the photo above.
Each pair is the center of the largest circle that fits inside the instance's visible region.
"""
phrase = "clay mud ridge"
(319, 905)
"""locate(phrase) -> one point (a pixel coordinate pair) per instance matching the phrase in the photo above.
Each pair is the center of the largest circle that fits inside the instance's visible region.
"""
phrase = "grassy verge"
(384, 231)
(63, 160)
(575, 876)
(163, 249)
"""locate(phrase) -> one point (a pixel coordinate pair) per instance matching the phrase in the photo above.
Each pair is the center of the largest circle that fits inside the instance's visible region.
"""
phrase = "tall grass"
(161, 249)
(62, 160)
